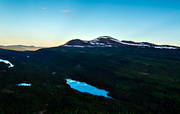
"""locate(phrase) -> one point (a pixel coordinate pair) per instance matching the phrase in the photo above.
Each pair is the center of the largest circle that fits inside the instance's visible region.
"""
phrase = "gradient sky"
(53, 22)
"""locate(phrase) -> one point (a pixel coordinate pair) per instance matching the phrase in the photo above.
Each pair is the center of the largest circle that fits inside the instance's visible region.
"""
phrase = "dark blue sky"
(53, 22)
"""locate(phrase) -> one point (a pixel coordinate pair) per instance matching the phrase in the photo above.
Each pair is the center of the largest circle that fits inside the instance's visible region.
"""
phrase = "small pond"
(24, 84)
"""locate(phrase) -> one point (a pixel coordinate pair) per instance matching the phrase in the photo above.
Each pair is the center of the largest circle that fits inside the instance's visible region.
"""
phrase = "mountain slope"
(107, 41)
(142, 80)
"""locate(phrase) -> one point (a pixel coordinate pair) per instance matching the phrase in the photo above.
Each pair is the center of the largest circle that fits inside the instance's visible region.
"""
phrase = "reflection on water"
(24, 84)
(7, 62)
(84, 87)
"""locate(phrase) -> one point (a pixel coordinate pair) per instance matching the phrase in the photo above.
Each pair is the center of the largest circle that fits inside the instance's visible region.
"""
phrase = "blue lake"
(24, 84)
(84, 87)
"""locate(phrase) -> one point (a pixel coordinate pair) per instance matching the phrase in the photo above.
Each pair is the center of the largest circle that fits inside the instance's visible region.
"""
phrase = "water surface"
(24, 84)
(84, 87)
(7, 62)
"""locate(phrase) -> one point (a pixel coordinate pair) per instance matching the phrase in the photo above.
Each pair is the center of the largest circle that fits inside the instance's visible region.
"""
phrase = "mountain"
(20, 47)
(141, 80)
(107, 41)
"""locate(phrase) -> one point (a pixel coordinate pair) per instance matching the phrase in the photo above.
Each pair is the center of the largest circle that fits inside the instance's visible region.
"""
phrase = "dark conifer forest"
(140, 80)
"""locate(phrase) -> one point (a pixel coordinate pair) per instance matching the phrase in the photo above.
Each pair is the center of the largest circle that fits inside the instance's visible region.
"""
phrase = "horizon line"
(56, 45)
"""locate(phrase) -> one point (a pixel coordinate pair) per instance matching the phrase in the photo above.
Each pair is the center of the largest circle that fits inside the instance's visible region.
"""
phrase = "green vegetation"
(142, 81)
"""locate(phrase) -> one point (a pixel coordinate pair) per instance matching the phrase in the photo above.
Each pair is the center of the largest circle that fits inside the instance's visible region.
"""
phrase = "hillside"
(141, 80)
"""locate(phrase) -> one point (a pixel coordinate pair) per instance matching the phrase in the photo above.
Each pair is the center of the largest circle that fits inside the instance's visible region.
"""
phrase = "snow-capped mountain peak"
(108, 41)
(105, 38)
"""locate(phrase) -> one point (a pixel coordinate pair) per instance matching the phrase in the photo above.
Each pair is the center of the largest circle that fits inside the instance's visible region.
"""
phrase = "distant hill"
(20, 47)
(107, 41)
(102, 41)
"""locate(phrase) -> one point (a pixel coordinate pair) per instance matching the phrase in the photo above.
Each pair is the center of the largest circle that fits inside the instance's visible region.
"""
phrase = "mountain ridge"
(108, 41)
